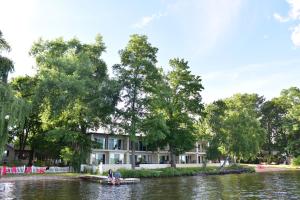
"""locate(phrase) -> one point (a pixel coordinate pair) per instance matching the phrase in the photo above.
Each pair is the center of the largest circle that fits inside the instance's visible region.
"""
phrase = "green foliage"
(188, 171)
(176, 107)
(74, 87)
(13, 111)
(273, 119)
(71, 146)
(6, 65)
(138, 77)
(235, 127)
(290, 98)
(296, 161)
(66, 154)
(3, 44)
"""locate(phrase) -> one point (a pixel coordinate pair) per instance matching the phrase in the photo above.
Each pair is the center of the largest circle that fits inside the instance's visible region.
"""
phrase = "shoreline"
(156, 173)
(33, 177)
(259, 168)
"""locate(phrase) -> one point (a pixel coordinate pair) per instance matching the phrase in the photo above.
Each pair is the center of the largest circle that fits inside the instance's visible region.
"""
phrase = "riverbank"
(271, 168)
(48, 176)
(141, 173)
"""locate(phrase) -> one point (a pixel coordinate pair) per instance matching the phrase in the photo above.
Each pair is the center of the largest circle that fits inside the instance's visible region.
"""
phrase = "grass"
(191, 171)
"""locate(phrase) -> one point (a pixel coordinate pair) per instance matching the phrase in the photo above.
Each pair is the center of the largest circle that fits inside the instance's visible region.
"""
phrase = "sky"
(236, 46)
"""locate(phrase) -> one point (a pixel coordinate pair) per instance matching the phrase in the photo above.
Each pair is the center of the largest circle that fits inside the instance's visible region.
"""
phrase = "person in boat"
(111, 177)
(117, 176)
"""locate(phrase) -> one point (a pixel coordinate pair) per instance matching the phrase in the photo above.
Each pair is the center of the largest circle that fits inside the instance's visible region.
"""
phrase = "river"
(275, 185)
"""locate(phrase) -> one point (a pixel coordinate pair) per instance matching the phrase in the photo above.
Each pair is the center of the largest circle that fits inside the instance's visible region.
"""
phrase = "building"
(116, 149)
(11, 155)
(8, 155)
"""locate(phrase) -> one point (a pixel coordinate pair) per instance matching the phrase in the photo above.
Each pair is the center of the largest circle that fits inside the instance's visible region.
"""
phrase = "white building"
(116, 149)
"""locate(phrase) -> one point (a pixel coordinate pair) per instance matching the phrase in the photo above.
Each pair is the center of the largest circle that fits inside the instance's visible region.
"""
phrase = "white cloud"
(296, 35)
(293, 15)
(147, 20)
(280, 18)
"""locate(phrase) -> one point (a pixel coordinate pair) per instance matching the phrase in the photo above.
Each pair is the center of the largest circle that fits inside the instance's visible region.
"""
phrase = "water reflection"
(283, 185)
(7, 191)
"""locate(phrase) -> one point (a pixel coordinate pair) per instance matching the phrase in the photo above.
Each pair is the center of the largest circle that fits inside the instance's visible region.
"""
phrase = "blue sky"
(234, 45)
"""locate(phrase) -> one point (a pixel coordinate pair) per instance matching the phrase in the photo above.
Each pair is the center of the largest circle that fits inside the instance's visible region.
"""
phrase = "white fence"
(189, 165)
(153, 166)
(59, 170)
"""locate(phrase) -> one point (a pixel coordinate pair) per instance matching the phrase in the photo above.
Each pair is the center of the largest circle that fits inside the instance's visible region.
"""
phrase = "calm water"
(282, 185)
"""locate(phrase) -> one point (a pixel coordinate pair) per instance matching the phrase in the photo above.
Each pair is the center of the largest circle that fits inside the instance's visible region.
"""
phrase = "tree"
(3, 43)
(6, 100)
(237, 132)
(74, 89)
(290, 99)
(177, 109)
(11, 108)
(25, 89)
(273, 117)
(6, 65)
(211, 129)
(138, 76)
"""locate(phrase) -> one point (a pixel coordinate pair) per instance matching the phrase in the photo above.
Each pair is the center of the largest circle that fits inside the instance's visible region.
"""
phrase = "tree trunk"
(173, 158)
(223, 165)
(133, 122)
(22, 145)
(30, 163)
(133, 161)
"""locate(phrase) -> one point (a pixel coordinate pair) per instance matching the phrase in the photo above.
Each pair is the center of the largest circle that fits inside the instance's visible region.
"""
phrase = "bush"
(170, 172)
(296, 161)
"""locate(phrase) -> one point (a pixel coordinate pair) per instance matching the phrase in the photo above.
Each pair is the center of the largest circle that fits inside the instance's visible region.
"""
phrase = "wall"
(114, 167)
(189, 165)
(153, 166)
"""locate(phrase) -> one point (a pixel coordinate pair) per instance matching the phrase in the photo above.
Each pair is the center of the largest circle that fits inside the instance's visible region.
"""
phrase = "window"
(114, 143)
(164, 159)
(99, 143)
(115, 158)
(139, 146)
(100, 157)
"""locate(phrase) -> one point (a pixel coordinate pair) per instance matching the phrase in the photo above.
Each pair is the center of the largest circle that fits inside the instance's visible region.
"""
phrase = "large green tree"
(25, 89)
(10, 107)
(176, 110)
(237, 133)
(211, 129)
(74, 89)
(290, 100)
(273, 118)
(137, 75)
